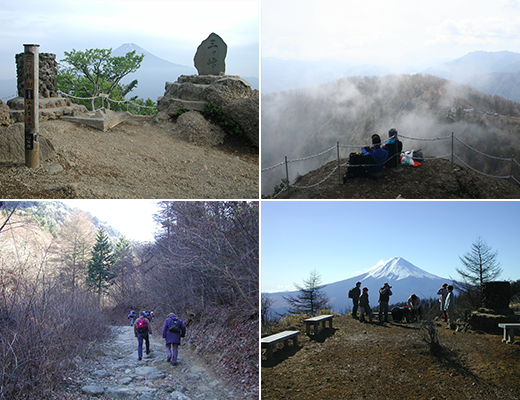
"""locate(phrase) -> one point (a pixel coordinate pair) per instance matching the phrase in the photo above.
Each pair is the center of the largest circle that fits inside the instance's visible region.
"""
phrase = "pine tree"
(100, 275)
(310, 298)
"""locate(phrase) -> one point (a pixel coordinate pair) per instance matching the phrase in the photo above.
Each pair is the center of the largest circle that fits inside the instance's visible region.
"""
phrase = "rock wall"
(232, 94)
(48, 73)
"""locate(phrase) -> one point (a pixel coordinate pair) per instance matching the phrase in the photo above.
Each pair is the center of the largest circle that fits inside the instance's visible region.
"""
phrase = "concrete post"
(32, 105)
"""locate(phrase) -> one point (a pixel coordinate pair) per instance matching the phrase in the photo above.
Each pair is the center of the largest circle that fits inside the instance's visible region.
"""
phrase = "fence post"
(287, 173)
(452, 149)
(512, 162)
(339, 170)
(32, 104)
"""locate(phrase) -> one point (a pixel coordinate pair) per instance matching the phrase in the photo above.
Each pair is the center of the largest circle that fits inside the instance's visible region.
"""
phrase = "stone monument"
(210, 56)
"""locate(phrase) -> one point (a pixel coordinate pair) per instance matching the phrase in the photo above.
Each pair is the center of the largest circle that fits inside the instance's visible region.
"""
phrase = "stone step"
(44, 102)
(49, 113)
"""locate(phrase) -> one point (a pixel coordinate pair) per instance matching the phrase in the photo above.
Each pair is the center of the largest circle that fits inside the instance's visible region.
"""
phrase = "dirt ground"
(434, 179)
(391, 361)
(136, 159)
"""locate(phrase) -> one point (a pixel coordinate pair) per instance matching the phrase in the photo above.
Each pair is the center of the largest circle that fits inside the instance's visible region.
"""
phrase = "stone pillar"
(47, 75)
(31, 105)
(210, 56)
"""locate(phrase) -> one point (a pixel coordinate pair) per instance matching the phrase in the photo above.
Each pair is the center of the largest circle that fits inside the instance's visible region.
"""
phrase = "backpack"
(356, 165)
(174, 325)
(142, 325)
(350, 294)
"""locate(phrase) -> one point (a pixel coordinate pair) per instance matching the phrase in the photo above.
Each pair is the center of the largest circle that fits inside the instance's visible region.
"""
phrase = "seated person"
(394, 147)
(378, 154)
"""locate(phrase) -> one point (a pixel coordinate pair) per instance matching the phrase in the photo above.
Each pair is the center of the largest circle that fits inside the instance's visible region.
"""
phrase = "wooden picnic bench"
(509, 331)
(316, 321)
(270, 341)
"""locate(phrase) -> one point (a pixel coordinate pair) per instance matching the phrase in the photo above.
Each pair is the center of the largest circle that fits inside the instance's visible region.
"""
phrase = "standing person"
(394, 147)
(142, 330)
(443, 292)
(384, 298)
(449, 307)
(414, 304)
(354, 294)
(364, 306)
(131, 317)
(173, 330)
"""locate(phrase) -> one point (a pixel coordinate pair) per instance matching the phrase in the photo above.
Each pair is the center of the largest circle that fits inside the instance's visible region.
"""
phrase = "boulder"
(12, 144)
(4, 114)
(194, 128)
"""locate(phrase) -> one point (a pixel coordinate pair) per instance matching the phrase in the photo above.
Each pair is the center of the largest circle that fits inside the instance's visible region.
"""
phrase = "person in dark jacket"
(173, 339)
(384, 298)
(379, 155)
(142, 334)
(364, 306)
(394, 147)
(355, 292)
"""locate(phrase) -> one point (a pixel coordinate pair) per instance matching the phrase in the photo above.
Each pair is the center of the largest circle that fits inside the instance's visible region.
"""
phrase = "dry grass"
(392, 361)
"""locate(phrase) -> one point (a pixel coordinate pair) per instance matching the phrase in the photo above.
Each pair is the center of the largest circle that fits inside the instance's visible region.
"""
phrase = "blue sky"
(344, 238)
(388, 33)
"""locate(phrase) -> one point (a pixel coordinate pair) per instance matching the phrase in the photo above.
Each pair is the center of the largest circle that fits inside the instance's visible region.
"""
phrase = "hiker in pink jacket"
(173, 330)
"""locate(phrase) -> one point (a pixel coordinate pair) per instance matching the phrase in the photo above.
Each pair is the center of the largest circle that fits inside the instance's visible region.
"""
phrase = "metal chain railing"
(338, 146)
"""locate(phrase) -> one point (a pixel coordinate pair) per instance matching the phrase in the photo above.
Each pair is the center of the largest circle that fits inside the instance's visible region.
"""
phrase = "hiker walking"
(443, 292)
(131, 317)
(142, 330)
(354, 294)
(384, 298)
(449, 307)
(364, 306)
(173, 330)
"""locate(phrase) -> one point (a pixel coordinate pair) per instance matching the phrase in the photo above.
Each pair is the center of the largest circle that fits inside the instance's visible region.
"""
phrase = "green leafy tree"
(100, 274)
(480, 265)
(94, 71)
(310, 298)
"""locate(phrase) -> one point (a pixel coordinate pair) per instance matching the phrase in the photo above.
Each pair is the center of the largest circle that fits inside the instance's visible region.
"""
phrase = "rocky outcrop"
(12, 144)
(232, 94)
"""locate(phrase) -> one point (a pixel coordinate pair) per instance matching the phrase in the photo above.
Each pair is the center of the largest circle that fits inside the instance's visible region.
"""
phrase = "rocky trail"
(114, 372)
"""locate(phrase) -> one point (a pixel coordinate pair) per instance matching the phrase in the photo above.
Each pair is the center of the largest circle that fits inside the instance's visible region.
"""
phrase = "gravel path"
(116, 373)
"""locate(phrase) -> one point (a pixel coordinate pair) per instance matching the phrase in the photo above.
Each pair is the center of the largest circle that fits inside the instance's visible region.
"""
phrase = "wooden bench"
(509, 332)
(270, 341)
(315, 321)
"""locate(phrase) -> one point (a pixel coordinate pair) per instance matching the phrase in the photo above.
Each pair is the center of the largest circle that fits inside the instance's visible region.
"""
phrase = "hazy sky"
(133, 218)
(342, 239)
(387, 32)
(169, 29)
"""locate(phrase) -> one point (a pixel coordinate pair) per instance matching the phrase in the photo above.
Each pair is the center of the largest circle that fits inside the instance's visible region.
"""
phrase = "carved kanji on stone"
(210, 56)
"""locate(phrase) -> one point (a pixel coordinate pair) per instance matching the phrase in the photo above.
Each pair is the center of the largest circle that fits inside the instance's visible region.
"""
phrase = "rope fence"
(451, 155)
(105, 96)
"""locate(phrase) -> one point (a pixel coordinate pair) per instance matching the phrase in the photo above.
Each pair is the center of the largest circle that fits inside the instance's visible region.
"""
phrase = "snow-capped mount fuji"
(395, 269)
(404, 277)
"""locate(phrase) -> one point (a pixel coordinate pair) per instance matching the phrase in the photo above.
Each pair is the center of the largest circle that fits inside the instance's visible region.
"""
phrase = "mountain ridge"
(404, 277)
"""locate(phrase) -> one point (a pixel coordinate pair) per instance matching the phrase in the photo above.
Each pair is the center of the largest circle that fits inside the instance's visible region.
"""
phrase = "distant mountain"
(153, 73)
(494, 73)
(404, 277)
(8, 88)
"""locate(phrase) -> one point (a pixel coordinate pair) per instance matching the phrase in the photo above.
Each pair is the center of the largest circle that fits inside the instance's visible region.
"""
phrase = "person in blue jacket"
(394, 147)
(378, 154)
(173, 339)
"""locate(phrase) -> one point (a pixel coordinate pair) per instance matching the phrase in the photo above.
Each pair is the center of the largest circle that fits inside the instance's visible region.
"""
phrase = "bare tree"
(480, 265)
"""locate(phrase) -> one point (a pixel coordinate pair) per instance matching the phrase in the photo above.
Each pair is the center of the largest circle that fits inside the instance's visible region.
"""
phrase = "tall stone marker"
(210, 56)
(32, 105)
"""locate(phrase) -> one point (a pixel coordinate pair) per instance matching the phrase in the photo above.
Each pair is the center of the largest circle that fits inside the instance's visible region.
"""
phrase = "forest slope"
(304, 122)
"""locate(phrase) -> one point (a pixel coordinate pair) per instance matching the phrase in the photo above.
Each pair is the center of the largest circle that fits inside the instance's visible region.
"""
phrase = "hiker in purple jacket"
(173, 337)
